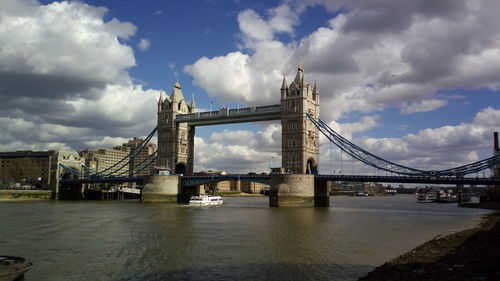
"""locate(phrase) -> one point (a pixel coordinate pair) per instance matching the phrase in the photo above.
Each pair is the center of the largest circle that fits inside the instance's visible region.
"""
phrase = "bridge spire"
(193, 104)
(284, 89)
(315, 92)
(177, 95)
(160, 102)
(284, 86)
(299, 78)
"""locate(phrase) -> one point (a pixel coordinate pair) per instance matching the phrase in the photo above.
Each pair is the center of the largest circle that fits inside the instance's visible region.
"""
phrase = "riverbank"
(470, 254)
(10, 195)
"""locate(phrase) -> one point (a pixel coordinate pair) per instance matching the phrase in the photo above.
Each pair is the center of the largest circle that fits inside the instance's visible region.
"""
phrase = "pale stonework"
(175, 140)
(299, 136)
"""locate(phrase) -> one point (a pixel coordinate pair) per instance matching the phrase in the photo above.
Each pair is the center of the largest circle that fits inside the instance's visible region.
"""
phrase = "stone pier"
(297, 190)
(321, 194)
(161, 189)
(167, 189)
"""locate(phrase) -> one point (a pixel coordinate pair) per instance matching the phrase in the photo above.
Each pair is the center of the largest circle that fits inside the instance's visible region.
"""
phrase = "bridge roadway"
(229, 116)
(265, 179)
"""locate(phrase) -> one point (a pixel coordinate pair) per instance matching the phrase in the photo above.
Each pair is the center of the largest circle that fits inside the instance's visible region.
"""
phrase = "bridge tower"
(175, 140)
(299, 141)
(299, 148)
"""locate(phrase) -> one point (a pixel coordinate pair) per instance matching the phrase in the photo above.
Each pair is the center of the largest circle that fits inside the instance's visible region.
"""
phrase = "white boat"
(427, 197)
(448, 198)
(205, 200)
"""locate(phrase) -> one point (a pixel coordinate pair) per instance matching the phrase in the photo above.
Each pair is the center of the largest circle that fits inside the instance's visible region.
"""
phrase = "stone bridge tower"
(175, 140)
(300, 143)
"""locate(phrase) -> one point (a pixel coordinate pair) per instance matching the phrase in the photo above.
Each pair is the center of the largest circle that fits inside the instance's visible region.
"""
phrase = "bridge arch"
(180, 168)
(311, 167)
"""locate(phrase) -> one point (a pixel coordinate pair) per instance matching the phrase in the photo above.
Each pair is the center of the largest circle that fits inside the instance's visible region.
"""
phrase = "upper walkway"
(228, 116)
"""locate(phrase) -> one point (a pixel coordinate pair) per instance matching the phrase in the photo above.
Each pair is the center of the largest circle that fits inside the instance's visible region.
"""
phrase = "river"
(243, 239)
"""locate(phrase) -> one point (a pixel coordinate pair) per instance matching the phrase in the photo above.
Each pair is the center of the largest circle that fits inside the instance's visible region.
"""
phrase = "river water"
(243, 239)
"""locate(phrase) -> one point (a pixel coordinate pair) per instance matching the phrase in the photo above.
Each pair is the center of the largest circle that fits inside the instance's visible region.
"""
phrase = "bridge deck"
(229, 116)
(196, 180)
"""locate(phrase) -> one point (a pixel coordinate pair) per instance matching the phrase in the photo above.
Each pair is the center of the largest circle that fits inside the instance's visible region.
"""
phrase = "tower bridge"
(177, 121)
(298, 183)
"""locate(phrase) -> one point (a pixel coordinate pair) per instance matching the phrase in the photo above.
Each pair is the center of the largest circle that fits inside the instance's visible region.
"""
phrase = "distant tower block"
(175, 140)
(496, 151)
(496, 169)
(300, 143)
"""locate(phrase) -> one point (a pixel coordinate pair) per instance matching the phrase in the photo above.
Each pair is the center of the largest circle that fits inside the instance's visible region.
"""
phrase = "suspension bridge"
(301, 126)
(401, 174)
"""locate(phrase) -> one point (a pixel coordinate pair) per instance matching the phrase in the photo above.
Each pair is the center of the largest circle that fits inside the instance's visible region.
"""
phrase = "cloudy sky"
(416, 82)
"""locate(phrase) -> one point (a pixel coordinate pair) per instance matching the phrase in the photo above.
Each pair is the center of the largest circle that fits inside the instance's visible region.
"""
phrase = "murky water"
(243, 239)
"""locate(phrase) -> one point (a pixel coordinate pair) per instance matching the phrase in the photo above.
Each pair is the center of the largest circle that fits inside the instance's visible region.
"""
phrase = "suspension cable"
(388, 166)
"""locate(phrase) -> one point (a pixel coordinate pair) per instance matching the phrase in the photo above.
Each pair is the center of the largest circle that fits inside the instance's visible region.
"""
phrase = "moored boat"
(427, 197)
(360, 194)
(205, 200)
(13, 268)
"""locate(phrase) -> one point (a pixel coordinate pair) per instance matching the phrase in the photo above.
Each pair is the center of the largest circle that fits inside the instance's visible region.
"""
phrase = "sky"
(415, 82)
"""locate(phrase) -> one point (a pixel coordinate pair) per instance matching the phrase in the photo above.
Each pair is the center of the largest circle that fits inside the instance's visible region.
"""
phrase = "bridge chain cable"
(131, 155)
(145, 163)
(138, 167)
(359, 153)
(382, 164)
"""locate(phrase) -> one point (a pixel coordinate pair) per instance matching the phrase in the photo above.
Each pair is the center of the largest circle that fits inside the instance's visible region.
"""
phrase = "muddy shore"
(472, 254)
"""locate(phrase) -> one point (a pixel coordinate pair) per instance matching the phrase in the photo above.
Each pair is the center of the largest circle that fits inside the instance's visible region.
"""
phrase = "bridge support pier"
(189, 191)
(297, 190)
(161, 189)
(321, 194)
(73, 191)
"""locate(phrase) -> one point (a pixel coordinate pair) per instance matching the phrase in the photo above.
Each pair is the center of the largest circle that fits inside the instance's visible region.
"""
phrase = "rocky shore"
(472, 254)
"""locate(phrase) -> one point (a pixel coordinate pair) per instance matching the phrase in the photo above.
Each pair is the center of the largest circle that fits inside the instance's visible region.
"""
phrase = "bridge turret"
(299, 77)
(193, 105)
(176, 95)
(284, 89)
(315, 93)
(160, 102)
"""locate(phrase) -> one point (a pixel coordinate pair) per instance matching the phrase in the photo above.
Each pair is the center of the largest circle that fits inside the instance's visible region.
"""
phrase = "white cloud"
(422, 106)
(347, 129)
(61, 38)
(253, 26)
(233, 158)
(368, 59)
(371, 57)
(144, 44)
(63, 71)
(443, 147)
(429, 149)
